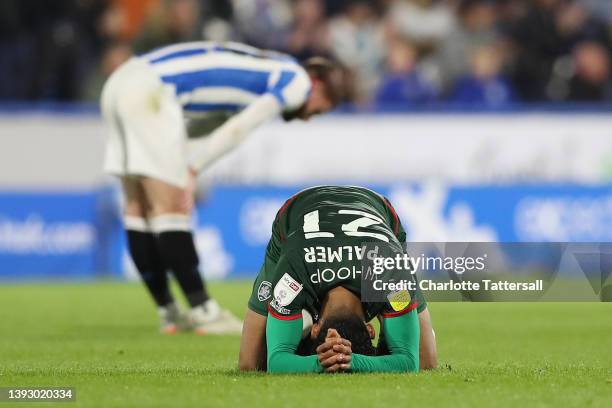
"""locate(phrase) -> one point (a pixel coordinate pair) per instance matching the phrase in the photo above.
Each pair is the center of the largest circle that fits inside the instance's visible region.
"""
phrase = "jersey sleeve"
(396, 223)
(400, 233)
(402, 333)
(262, 288)
(283, 335)
(278, 288)
(271, 272)
(292, 88)
(288, 294)
(261, 292)
(284, 324)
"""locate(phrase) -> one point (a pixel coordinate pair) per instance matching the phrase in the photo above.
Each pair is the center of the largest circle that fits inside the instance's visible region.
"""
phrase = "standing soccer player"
(226, 88)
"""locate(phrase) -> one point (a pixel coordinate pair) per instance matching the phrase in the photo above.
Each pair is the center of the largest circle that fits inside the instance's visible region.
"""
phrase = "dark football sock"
(180, 255)
(145, 254)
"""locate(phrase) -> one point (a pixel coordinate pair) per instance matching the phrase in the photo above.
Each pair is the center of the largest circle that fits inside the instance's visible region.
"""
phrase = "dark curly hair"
(349, 326)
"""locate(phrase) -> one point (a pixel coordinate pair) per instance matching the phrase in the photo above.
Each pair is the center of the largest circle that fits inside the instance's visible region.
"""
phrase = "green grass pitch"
(101, 338)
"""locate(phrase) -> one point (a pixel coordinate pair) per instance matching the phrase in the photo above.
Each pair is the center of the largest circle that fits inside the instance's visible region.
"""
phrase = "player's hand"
(335, 354)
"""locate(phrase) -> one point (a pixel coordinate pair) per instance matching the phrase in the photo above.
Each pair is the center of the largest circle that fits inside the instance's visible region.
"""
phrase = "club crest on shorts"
(286, 290)
(265, 291)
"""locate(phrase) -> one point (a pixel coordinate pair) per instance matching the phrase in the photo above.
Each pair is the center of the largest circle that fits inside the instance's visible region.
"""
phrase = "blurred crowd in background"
(398, 53)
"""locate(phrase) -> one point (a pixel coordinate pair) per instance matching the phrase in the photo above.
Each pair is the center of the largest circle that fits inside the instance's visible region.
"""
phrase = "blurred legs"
(142, 244)
(143, 248)
(170, 219)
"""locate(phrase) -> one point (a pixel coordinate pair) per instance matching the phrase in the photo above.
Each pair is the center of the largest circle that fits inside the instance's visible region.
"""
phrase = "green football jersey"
(319, 242)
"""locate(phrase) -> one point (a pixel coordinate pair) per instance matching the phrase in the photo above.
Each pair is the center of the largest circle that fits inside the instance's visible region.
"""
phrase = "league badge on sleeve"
(399, 300)
(286, 290)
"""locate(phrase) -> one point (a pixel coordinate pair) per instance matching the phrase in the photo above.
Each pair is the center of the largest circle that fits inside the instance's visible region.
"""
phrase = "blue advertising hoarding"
(78, 234)
(234, 223)
(57, 234)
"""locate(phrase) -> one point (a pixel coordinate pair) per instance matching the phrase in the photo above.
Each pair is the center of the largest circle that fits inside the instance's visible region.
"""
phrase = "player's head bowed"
(329, 88)
(350, 327)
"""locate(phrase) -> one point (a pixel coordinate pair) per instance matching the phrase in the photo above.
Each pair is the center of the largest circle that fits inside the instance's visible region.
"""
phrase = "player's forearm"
(402, 337)
(397, 363)
(229, 135)
(282, 338)
(288, 362)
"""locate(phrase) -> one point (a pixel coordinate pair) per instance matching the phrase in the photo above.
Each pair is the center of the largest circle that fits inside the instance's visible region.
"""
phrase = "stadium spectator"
(217, 17)
(484, 85)
(124, 19)
(308, 37)
(115, 55)
(47, 47)
(404, 84)
(357, 40)
(475, 28)
(421, 21)
(602, 8)
(56, 50)
(176, 21)
(591, 79)
(536, 46)
(575, 25)
(17, 52)
(263, 23)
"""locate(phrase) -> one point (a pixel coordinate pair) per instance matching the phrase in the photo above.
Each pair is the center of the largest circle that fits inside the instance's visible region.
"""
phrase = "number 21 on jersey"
(363, 220)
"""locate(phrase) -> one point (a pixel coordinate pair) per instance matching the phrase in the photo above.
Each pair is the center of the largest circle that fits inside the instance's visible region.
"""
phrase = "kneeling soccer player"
(323, 229)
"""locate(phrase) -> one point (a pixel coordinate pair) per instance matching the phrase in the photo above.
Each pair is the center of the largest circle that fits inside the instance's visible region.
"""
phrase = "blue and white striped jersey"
(226, 77)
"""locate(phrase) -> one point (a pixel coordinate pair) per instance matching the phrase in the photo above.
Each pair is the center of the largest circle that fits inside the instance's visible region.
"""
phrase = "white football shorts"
(147, 136)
